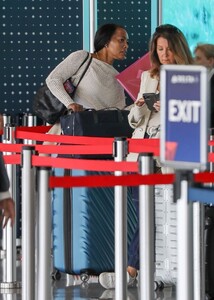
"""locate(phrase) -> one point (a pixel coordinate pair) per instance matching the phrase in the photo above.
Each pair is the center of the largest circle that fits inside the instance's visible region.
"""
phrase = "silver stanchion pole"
(92, 24)
(198, 251)
(29, 120)
(7, 119)
(184, 240)
(9, 233)
(28, 225)
(146, 216)
(120, 197)
(44, 237)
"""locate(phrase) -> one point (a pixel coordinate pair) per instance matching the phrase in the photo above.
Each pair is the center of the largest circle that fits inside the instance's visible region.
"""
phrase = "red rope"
(204, 177)
(110, 180)
(124, 180)
(84, 164)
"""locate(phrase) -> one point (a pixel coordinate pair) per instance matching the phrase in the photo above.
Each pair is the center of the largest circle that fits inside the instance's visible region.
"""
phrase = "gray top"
(98, 88)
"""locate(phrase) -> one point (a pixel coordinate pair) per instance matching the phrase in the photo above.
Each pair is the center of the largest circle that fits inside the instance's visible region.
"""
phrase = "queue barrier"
(44, 163)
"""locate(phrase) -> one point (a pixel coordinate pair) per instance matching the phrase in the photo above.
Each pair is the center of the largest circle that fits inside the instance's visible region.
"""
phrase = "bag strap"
(85, 68)
(87, 56)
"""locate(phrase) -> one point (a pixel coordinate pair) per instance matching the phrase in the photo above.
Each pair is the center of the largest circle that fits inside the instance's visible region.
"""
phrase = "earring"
(106, 45)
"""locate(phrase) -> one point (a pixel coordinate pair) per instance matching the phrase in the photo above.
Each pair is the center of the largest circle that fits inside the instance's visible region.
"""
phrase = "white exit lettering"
(184, 110)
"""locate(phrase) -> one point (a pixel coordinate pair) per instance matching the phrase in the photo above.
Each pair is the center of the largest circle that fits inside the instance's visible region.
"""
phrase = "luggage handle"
(96, 119)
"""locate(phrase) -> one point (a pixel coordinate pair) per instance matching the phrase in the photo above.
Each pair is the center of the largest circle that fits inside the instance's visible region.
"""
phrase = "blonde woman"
(167, 46)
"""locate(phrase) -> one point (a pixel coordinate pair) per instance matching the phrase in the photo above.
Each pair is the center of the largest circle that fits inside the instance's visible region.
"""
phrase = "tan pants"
(55, 129)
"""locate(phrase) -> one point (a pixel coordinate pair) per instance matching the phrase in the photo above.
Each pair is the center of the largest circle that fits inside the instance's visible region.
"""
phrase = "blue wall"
(38, 34)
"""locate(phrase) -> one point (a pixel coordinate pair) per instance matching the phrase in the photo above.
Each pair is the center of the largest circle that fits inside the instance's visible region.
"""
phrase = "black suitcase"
(97, 123)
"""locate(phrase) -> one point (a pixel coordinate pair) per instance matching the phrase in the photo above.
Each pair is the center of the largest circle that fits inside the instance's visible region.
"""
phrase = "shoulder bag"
(48, 107)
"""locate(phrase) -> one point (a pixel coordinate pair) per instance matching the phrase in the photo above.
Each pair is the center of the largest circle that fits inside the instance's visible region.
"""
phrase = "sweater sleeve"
(63, 71)
(143, 84)
(137, 113)
(5, 195)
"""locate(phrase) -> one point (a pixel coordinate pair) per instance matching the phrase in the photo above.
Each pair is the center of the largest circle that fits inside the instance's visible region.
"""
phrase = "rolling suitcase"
(166, 241)
(165, 237)
(83, 227)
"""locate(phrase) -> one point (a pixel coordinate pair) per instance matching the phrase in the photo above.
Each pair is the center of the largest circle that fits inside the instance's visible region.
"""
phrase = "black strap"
(85, 68)
(87, 56)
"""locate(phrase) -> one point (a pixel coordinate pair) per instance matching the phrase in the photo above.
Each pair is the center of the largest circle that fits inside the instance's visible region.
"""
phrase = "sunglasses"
(167, 28)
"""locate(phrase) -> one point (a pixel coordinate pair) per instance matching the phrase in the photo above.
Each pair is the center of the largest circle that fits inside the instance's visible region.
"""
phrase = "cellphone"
(150, 99)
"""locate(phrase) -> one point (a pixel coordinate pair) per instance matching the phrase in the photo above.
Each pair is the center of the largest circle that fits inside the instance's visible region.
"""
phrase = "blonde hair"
(207, 49)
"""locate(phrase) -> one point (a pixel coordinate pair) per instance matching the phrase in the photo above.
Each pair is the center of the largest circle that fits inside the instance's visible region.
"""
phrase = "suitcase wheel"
(208, 223)
(56, 275)
(84, 277)
(158, 285)
(208, 297)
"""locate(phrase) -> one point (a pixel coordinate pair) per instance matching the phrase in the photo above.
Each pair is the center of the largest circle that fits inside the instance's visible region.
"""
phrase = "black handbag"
(49, 108)
(97, 123)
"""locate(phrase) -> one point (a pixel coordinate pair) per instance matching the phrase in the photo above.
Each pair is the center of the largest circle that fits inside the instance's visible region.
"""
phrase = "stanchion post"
(184, 238)
(7, 119)
(44, 236)
(29, 120)
(198, 251)
(28, 225)
(9, 233)
(120, 200)
(146, 221)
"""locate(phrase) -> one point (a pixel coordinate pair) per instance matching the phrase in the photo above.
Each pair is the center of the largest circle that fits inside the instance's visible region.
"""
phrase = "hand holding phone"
(150, 99)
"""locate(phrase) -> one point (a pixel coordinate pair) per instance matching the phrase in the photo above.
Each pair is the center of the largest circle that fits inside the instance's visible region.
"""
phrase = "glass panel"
(194, 17)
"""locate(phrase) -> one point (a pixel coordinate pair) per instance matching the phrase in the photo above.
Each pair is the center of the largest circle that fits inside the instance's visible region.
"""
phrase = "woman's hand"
(140, 102)
(157, 106)
(75, 107)
(7, 206)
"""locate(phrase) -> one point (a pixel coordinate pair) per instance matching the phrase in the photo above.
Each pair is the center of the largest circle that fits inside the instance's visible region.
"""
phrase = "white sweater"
(98, 88)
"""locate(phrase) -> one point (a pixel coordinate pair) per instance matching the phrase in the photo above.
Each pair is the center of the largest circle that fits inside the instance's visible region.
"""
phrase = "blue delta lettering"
(186, 111)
